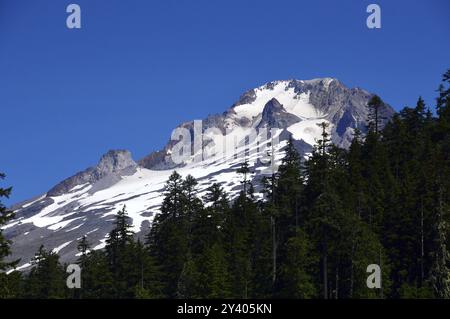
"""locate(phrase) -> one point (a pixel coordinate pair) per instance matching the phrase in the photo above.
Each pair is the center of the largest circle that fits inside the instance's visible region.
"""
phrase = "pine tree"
(216, 198)
(285, 195)
(168, 239)
(297, 267)
(324, 201)
(189, 280)
(440, 274)
(206, 255)
(191, 203)
(5, 216)
(244, 170)
(172, 207)
(84, 248)
(376, 117)
(208, 222)
(289, 187)
(144, 275)
(119, 252)
(356, 197)
(8, 283)
(442, 101)
(46, 279)
(97, 280)
(11, 285)
(214, 279)
(241, 240)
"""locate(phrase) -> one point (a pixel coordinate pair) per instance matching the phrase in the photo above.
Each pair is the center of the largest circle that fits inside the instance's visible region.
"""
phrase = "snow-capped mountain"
(85, 203)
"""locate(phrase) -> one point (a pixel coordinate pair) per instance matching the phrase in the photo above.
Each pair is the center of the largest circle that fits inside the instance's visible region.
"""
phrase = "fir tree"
(5, 216)
(8, 283)
(168, 239)
(46, 279)
(244, 170)
(297, 267)
(376, 117)
(97, 280)
(119, 252)
(440, 274)
(214, 279)
(189, 280)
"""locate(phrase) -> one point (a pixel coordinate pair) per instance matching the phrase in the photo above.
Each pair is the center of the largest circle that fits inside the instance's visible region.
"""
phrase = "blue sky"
(138, 68)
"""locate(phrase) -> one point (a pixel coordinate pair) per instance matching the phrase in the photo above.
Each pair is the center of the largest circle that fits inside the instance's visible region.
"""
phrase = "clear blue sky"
(137, 68)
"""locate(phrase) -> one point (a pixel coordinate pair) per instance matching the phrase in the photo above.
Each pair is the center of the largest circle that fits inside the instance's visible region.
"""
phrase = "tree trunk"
(325, 272)
(381, 276)
(337, 283)
(421, 245)
(351, 269)
(274, 251)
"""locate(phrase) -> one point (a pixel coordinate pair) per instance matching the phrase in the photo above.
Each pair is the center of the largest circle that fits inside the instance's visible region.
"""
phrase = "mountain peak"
(82, 204)
(111, 162)
(114, 161)
(273, 104)
(275, 115)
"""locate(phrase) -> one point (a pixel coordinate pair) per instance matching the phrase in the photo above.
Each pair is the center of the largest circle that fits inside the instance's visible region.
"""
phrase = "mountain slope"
(86, 202)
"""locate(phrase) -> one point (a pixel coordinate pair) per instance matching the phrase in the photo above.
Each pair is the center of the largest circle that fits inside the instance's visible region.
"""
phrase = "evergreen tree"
(189, 280)
(242, 241)
(376, 117)
(168, 239)
(144, 275)
(5, 216)
(46, 279)
(244, 170)
(324, 202)
(284, 207)
(440, 274)
(96, 278)
(214, 279)
(119, 252)
(208, 222)
(385, 201)
(238, 248)
(295, 271)
(11, 285)
(8, 284)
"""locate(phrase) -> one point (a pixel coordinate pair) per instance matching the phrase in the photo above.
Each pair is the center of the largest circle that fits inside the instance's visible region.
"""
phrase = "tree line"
(323, 220)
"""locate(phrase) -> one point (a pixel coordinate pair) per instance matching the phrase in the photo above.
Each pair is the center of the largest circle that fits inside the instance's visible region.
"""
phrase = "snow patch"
(56, 250)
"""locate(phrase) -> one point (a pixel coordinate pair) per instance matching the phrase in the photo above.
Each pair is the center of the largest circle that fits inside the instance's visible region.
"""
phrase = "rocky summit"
(85, 203)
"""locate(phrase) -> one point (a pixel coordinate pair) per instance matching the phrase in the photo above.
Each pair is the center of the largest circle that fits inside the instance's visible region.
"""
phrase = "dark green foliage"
(376, 118)
(5, 216)
(96, 277)
(124, 269)
(47, 279)
(9, 285)
(297, 269)
(169, 239)
(322, 222)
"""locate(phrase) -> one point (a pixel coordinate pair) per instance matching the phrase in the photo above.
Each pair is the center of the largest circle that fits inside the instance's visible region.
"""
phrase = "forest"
(322, 221)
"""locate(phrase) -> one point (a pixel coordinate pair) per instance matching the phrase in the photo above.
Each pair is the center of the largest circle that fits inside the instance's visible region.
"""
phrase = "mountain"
(260, 122)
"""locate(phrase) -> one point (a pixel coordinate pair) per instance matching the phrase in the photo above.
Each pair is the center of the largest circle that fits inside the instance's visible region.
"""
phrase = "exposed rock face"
(84, 203)
(246, 98)
(345, 108)
(275, 116)
(112, 162)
